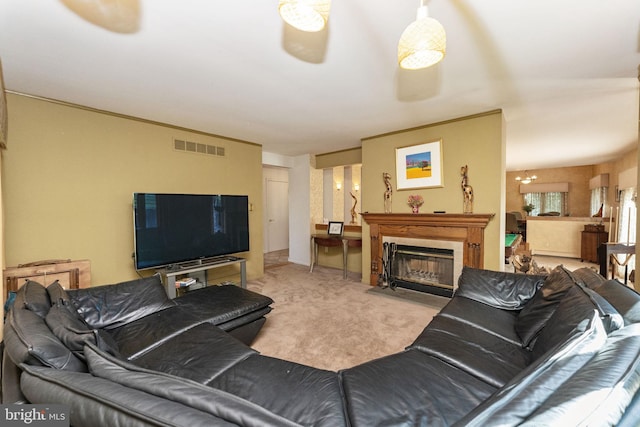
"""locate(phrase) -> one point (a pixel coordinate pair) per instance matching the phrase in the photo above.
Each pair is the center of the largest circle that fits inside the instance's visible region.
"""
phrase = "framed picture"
(419, 166)
(335, 228)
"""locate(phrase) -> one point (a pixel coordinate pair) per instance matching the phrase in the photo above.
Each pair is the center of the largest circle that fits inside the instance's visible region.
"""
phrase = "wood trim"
(465, 228)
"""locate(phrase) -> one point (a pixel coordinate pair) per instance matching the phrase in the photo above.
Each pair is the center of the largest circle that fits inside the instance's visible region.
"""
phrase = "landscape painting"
(419, 166)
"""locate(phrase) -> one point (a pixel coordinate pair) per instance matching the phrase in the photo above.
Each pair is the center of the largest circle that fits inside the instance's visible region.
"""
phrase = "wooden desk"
(329, 241)
(606, 250)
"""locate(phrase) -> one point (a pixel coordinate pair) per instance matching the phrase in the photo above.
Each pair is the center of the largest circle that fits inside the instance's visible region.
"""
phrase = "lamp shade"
(305, 15)
(423, 43)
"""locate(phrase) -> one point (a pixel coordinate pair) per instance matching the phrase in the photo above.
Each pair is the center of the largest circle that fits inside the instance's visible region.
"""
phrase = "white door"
(277, 215)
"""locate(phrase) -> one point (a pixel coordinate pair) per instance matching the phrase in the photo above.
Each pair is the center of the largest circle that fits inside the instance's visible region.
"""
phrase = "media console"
(170, 274)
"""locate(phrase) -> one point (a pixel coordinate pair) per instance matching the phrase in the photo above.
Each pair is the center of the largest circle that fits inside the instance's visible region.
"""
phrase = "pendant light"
(423, 43)
(528, 179)
(305, 15)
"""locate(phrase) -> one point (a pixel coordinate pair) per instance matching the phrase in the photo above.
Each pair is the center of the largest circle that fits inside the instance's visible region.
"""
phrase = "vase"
(415, 209)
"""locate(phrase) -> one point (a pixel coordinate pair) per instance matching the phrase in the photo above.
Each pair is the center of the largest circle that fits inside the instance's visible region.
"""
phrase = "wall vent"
(196, 147)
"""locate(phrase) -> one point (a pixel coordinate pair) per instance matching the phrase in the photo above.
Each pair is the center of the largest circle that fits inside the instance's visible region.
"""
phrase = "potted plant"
(415, 201)
(528, 208)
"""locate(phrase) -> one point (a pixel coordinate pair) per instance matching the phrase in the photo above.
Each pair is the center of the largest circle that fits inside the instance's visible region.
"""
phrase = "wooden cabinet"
(70, 274)
(590, 242)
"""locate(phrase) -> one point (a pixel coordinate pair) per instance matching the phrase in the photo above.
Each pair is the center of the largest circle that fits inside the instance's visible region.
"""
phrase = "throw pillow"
(34, 297)
(69, 328)
(67, 325)
(57, 293)
(611, 319)
(541, 307)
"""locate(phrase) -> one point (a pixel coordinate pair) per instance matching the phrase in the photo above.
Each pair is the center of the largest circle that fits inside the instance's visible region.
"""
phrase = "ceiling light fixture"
(305, 15)
(423, 43)
(528, 179)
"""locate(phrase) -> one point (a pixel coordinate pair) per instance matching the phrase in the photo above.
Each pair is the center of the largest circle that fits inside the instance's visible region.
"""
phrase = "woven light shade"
(423, 43)
(305, 15)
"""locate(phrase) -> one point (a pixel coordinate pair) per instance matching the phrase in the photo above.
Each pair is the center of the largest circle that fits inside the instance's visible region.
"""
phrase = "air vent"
(196, 147)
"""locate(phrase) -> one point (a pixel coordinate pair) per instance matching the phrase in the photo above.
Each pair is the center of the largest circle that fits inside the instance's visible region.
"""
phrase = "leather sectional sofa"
(508, 349)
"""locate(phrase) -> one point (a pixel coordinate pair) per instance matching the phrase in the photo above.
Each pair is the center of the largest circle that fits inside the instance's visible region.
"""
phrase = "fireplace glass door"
(421, 269)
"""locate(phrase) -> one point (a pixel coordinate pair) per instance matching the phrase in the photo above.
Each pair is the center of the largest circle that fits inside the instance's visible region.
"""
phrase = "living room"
(79, 147)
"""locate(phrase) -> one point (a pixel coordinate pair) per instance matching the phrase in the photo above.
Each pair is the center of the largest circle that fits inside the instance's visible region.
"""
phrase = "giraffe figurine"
(354, 214)
(467, 191)
(388, 192)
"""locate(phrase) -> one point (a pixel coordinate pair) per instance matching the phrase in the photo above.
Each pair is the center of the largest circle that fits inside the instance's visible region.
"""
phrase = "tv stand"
(170, 273)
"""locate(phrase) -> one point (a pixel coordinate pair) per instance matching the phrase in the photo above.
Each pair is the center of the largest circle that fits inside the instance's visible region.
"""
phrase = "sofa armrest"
(507, 291)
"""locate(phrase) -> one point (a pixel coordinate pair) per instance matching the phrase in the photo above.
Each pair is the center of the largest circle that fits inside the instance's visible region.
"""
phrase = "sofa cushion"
(410, 389)
(494, 321)
(226, 406)
(29, 340)
(97, 401)
(514, 402)
(611, 319)
(598, 393)
(33, 296)
(144, 334)
(574, 307)
(73, 332)
(200, 353)
(58, 294)
(306, 395)
(625, 300)
(224, 303)
(541, 307)
(588, 277)
(111, 306)
(507, 291)
(475, 351)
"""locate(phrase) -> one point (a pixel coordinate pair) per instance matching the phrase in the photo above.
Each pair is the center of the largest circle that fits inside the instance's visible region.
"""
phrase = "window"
(553, 201)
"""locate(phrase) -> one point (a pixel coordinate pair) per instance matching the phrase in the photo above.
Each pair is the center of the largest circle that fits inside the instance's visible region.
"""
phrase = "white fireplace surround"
(455, 246)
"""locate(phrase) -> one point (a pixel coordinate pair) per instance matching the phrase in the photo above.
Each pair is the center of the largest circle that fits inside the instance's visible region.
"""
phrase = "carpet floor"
(322, 320)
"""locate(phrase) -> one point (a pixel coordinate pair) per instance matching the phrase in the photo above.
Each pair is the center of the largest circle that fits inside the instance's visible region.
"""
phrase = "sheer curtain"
(627, 225)
(547, 202)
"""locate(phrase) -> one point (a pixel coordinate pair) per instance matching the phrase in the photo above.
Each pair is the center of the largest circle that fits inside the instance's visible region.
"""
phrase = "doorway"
(276, 219)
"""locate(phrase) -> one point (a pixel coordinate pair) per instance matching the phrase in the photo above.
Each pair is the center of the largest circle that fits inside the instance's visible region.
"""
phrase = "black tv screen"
(175, 228)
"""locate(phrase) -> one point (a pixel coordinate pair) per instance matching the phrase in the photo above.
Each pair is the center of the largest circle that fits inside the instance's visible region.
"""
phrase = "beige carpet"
(324, 321)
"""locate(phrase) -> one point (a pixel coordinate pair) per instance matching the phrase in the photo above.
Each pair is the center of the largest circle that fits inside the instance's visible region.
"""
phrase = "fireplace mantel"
(465, 228)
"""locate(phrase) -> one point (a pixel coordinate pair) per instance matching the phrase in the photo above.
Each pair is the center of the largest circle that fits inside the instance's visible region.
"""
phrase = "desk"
(604, 256)
(511, 243)
(328, 241)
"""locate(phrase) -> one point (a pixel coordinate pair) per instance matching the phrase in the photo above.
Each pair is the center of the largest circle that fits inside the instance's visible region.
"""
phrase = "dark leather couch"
(508, 349)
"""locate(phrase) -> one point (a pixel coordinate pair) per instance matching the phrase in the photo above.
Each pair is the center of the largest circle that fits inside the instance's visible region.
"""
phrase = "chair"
(522, 225)
(511, 223)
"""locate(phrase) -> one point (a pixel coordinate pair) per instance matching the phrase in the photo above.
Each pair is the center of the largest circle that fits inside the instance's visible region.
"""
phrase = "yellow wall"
(475, 141)
(69, 175)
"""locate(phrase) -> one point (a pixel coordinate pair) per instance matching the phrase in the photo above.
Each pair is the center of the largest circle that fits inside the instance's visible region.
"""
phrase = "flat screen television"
(176, 228)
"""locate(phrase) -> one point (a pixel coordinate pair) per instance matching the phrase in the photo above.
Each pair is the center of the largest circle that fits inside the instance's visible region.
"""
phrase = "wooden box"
(70, 274)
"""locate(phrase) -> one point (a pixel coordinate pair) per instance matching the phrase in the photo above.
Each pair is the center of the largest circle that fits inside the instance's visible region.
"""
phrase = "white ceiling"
(565, 73)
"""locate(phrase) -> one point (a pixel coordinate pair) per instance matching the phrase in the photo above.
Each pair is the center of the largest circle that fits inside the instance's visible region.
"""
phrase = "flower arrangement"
(528, 208)
(415, 201)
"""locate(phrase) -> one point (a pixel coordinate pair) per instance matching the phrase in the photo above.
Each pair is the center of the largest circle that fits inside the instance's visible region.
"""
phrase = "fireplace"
(424, 265)
(431, 249)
